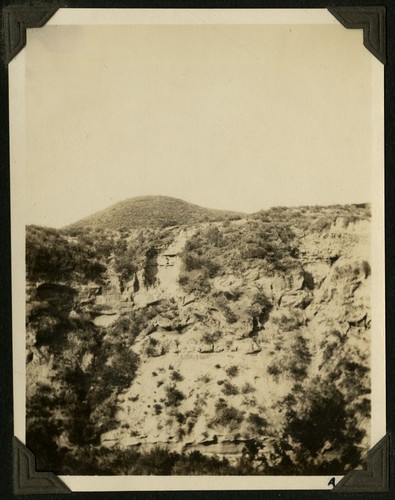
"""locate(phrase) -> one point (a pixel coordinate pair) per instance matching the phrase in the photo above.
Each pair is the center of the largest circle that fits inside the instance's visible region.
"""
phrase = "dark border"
(371, 20)
(6, 410)
(16, 19)
(27, 479)
(372, 479)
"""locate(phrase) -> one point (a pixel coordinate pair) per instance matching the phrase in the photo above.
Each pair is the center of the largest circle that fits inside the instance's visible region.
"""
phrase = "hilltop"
(152, 211)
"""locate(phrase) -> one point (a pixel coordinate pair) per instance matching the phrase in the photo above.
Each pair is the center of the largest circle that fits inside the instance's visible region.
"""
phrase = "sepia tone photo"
(199, 201)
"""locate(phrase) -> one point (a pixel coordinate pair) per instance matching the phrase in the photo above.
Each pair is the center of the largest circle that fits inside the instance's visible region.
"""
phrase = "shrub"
(230, 316)
(195, 282)
(180, 417)
(232, 371)
(158, 409)
(301, 350)
(328, 351)
(274, 370)
(227, 416)
(289, 323)
(253, 252)
(192, 261)
(322, 417)
(257, 422)
(151, 348)
(364, 407)
(298, 371)
(211, 337)
(195, 463)
(174, 396)
(157, 461)
(261, 307)
(125, 263)
(248, 388)
(51, 256)
(229, 389)
(122, 325)
(214, 236)
(176, 376)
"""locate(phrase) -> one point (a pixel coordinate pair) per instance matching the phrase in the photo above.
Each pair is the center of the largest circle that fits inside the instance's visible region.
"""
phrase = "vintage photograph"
(198, 213)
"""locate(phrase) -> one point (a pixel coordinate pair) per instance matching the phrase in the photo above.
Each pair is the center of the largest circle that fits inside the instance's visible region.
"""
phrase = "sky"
(238, 117)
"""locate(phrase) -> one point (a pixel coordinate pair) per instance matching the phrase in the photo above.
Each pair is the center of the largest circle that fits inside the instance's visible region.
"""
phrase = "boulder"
(188, 299)
(246, 346)
(299, 298)
(164, 323)
(205, 348)
(229, 283)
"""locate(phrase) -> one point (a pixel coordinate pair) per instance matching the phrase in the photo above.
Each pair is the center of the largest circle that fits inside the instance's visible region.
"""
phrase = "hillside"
(152, 211)
(224, 347)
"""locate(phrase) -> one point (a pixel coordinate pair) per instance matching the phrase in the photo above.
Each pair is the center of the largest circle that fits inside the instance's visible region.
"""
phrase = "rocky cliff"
(246, 339)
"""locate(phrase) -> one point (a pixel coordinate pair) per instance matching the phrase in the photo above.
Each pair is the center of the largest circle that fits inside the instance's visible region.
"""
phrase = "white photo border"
(18, 188)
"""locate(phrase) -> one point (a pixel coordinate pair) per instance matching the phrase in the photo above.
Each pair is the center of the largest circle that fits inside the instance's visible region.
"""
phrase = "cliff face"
(250, 340)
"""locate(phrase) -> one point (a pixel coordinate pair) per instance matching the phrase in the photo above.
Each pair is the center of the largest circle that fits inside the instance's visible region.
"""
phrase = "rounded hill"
(152, 211)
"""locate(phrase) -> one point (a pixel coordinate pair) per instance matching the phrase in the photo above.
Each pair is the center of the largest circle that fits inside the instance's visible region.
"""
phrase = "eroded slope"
(245, 339)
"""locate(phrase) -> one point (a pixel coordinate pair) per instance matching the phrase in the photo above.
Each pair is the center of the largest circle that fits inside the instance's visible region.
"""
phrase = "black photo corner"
(20, 473)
